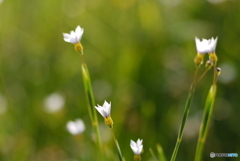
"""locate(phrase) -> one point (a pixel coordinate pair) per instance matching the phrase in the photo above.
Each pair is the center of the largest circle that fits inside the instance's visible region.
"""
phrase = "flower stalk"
(120, 156)
(182, 126)
(208, 109)
(74, 37)
(203, 47)
(91, 103)
(105, 111)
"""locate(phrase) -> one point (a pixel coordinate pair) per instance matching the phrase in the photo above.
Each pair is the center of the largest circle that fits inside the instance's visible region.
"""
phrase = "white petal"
(133, 144)
(78, 33)
(66, 37)
(105, 113)
(100, 110)
(213, 44)
(107, 107)
(139, 142)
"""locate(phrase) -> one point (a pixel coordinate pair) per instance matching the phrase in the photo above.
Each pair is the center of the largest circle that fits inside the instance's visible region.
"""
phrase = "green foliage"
(140, 57)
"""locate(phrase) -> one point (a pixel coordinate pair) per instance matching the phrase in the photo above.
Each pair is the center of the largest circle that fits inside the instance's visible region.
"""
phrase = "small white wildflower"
(206, 46)
(74, 37)
(202, 46)
(76, 127)
(105, 109)
(136, 146)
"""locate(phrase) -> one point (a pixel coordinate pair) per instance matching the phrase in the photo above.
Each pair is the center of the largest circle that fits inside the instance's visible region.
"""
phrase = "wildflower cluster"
(204, 46)
(78, 127)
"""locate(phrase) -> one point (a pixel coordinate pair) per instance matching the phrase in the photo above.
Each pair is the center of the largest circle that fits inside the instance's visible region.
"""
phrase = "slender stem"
(208, 109)
(207, 113)
(204, 73)
(91, 102)
(185, 115)
(118, 147)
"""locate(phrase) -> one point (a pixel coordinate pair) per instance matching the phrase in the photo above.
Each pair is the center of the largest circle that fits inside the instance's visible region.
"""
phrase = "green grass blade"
(91, 103)
(161, 154)
(208, 109)
(185, 115)
(119, 151)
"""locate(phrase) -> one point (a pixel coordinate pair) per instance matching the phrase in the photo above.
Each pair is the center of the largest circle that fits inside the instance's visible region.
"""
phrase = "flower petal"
(66, 37)
(100, 110)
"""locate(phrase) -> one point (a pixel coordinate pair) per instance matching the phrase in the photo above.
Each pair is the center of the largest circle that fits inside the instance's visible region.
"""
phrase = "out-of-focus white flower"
(76, 127)
(74, 37)
(136, 146)
(54, 103)
(105, 109)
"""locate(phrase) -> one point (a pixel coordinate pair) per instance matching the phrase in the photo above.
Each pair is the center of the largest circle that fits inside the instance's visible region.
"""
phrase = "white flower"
(76, 127)
(136, 146)
(105, 109)
(206, 46)
(74, 37)
(202, 46)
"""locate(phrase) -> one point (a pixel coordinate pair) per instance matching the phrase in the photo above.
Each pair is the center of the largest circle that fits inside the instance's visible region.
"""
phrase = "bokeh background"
(140, 57)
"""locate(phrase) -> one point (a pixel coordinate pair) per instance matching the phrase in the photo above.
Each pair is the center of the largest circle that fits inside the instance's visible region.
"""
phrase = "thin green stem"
(91, 102)
(185, 115)
(161, 154)
(208, 109)
(204, 73)
(118, 147)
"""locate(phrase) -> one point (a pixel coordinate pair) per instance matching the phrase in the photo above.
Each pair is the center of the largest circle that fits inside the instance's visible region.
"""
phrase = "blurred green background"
(140, 57)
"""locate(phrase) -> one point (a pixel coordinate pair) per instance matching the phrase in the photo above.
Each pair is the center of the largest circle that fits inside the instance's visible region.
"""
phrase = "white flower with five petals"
(105, 109)
(74, 37)
(136, 146)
